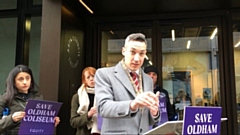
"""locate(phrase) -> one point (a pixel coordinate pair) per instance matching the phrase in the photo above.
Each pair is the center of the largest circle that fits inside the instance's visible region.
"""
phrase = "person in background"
(20, 87)
(153, 73)
(124, 93)
(180, 101)
(182, 97)
(83, 109)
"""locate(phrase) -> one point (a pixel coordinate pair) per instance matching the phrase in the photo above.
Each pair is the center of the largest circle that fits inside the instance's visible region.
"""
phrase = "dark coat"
(79, 121)
(18, 104)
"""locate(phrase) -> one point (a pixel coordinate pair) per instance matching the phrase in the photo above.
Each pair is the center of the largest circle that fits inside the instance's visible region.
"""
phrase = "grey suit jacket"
(114, 92)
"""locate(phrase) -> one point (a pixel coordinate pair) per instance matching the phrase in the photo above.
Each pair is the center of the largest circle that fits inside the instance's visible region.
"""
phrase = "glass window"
(8, 4)
(235, 3)
(37, 2)
(34, 48)
(190, 66)
(112, 43)
(8, 39)
(236, 44)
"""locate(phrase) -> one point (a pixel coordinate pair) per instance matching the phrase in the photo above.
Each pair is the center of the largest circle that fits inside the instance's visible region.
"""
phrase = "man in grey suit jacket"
(125, 106)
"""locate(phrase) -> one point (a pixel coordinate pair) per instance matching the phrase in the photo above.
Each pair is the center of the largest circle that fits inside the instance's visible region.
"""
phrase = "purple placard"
(163, 110)
(39, 118)
(99, 122)
(202, 120)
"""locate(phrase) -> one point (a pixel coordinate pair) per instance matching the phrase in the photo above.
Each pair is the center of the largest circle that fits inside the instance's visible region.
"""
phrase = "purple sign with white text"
(99, 122)
(202, 120)
(163, 110)
(39, 118)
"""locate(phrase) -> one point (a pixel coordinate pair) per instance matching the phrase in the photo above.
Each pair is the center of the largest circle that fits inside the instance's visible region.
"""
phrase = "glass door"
(112, 41)
(190, 71)
(236, 45)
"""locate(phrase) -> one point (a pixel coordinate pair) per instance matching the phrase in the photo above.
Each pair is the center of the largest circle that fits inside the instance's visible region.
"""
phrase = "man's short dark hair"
(136, 37)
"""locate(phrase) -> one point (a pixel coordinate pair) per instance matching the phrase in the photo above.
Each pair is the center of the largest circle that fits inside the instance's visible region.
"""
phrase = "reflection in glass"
(8, 39)
(34, 47)
(8, 4)
(236, 45)
(112, 43)
(190, 66)
(37, 2)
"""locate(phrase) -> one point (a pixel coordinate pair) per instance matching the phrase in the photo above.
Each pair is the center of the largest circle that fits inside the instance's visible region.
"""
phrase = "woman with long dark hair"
(20, 87)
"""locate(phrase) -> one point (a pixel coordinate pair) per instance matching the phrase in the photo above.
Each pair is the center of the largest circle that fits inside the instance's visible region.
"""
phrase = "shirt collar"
(137, 71)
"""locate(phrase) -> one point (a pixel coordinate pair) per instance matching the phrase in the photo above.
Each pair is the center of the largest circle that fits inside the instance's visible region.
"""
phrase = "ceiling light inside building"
(111, 32)
(173, 35)
(188, 44)
(150, 62)
(146, 57)
(81, 1)
(237, 44)
(214, 33)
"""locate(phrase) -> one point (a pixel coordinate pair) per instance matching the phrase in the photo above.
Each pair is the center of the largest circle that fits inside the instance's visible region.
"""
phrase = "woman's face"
(89, 79)
(23, 82)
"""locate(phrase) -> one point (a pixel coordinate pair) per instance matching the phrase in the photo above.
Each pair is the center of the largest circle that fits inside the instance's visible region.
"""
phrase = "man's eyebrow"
(134, 49)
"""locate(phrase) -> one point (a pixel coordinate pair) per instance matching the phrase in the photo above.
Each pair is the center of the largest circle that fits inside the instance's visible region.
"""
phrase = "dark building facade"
(195, 45)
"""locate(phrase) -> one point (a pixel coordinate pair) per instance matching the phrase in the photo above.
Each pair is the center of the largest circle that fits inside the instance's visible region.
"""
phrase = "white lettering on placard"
(203, 118)
(202, 129)
(36, 130)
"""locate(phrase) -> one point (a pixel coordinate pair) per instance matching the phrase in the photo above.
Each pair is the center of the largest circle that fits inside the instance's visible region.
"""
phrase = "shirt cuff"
(157, 116)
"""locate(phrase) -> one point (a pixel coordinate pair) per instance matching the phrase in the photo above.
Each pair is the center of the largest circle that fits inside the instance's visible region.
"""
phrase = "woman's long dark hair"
(11, 90)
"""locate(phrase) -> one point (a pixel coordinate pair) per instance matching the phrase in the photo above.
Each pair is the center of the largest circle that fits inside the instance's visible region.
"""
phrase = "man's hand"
(154, 109)
(146, 99)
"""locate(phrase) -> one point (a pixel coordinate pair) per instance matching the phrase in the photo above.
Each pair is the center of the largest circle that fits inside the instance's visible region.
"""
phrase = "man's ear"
(123, 51)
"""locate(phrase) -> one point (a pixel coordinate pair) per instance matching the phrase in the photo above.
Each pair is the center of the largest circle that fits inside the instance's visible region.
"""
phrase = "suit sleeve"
(105, 92)
(7, 122)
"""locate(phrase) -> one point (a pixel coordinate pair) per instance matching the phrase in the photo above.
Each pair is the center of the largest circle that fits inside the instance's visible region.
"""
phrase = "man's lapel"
(122, 76)
(145, 83)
